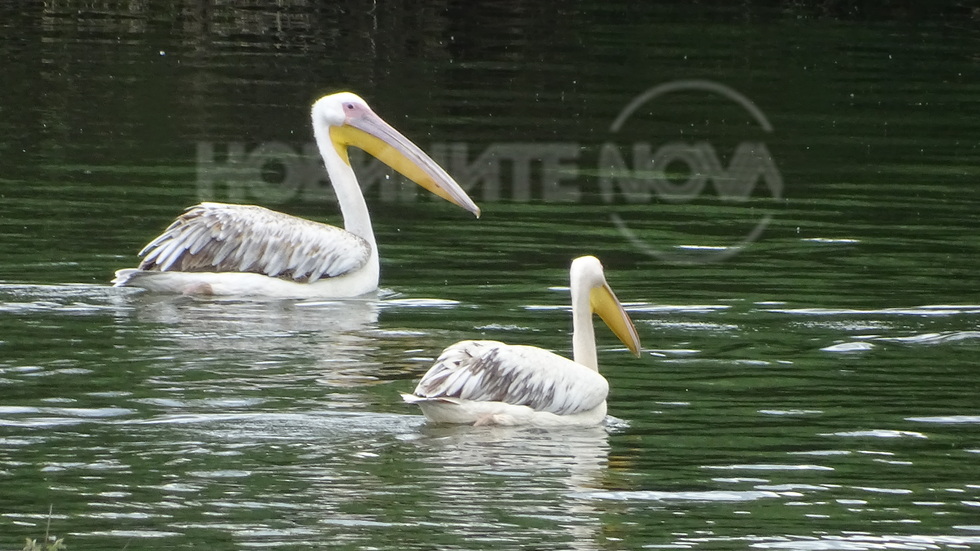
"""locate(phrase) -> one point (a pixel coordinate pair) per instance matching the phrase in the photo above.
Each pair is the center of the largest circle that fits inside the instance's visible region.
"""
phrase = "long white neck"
(583, 332)
(353, 208)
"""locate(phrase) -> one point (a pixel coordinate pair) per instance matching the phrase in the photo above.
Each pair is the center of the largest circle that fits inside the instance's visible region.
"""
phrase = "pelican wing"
(519, 375)
(216, 237)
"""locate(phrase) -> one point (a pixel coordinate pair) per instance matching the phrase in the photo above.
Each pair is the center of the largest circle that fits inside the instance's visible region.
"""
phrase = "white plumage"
(490, 382)
(241, 238)
(491, 371)
(216, 248)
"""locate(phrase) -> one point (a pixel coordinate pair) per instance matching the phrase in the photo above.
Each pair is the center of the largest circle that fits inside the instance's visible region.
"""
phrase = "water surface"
(815, 390)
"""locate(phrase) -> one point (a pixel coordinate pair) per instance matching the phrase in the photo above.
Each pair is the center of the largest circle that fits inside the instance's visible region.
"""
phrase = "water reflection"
(583, 452)
(499, 483)
(363, 479)
(251, 328)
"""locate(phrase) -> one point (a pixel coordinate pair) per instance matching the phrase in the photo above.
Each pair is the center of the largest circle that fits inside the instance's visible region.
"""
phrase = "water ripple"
(770, 467)
(928, 310)
(11, 416)
(847, 347)
(934, 338)
(420, 303)
(877, 433)
(866, 541)
(948, 419)
(688, 496)
(791, 411)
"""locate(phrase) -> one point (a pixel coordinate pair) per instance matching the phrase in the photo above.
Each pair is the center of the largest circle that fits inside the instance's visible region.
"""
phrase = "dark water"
(809, 379)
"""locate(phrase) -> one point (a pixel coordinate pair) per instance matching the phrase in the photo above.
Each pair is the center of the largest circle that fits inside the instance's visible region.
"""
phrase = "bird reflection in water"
(517, 478)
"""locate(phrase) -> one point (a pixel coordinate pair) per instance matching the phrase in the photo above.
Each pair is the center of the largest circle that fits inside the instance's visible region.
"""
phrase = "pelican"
(492, 383)
(221, 249)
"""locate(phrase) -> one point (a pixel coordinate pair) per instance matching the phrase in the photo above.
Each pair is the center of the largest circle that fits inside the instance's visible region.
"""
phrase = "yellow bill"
(605, 303)
(369, 132)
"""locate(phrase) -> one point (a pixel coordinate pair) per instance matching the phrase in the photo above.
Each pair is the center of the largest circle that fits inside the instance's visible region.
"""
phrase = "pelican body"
(222, 249)
(493, 383)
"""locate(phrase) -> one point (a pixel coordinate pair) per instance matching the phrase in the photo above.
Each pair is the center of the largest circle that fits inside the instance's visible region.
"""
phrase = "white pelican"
(489, 382)
(221, 249)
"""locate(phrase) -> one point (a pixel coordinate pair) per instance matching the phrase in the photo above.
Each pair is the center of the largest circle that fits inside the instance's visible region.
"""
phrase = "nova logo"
(683, 171)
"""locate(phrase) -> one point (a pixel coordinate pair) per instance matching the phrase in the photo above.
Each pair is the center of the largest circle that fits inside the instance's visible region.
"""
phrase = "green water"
(814, 389)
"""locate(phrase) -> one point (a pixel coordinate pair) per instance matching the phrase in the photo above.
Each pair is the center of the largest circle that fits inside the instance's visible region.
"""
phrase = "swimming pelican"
(489, 382)
(221, 249)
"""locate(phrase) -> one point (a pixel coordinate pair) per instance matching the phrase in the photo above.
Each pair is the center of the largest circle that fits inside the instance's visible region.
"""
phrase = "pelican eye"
(349, 106)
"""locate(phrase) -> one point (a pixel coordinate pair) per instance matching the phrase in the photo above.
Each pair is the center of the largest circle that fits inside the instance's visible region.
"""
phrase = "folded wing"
(217, 237)
(492, 371)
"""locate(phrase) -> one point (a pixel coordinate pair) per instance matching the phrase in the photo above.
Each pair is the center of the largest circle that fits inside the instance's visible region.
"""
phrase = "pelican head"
(344, 119)
(586, 276)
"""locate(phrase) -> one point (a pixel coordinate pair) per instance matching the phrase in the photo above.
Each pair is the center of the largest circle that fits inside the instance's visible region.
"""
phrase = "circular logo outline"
(700, 85)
